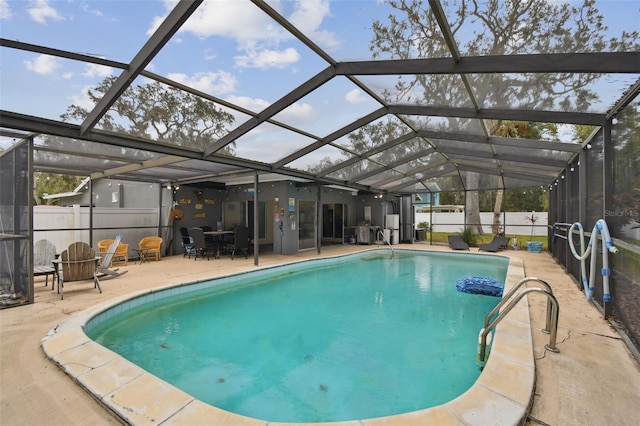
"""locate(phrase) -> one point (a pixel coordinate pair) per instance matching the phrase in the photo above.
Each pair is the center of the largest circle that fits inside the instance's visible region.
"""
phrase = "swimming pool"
(502, 392)
(362, 336)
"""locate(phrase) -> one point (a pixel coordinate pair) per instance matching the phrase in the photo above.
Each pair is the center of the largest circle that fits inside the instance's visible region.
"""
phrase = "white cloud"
(40, 11)
(239, 20)
(93, 70)
(257, 37)
(356, 96)
(252, 104)
(297, 114)
(43, 64)
(210, 54)
(266, 58)
(95, 12)
(5, 10)
(83, 100)
(214, 83)
(308, 16)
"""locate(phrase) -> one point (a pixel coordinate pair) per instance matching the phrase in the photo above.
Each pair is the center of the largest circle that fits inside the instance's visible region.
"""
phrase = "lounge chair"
(104, 267)
(152, 246)
(79, 263)
(497, 244)
(119, 256)
(457, 243)
(44, 252)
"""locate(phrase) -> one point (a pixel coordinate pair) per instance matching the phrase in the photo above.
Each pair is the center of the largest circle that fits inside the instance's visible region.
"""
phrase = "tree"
(51, 183)
(152, 111)
(161, 113)
(495, 28)
(523, 130)
(361, 140)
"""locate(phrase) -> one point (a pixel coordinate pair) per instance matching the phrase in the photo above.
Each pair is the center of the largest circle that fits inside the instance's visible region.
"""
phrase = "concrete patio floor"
(594, 380)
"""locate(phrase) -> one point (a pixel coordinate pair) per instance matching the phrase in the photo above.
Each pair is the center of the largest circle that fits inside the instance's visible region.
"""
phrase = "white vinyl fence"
(517, 223)
(53, 217)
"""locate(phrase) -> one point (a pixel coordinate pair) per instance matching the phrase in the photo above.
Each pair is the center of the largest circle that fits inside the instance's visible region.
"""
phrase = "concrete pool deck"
(593, 380)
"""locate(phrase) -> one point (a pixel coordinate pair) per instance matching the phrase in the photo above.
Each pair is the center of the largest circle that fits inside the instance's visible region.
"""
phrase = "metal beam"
(28, 47)
(284, 23)
(495, 172)
(542, 116)
(452, 152)
(601, 62)
(165, 31)
(156, 162)
(410, 173)
(365, 155)
(332, 137)
(495, 140)
(273, 109)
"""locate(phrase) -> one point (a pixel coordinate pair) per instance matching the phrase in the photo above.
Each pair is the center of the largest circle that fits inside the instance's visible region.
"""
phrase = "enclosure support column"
(159, 232)
(91, 212)
(582, 190)
(256, 221)
(430, 228)
(320, 219)
(30, 185)
(607, 196)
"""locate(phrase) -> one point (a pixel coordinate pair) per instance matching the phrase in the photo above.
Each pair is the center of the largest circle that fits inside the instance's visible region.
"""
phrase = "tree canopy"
(161, 113)
(490, 28)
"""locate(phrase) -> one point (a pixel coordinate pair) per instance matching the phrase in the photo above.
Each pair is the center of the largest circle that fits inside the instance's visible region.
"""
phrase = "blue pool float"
(480, 285)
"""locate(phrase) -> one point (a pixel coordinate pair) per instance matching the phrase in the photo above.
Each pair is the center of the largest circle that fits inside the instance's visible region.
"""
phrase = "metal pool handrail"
(511, 292)
(551, 346)
(381, 234)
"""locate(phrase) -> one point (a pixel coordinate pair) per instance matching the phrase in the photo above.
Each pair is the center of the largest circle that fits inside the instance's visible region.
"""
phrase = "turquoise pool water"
(338, 339)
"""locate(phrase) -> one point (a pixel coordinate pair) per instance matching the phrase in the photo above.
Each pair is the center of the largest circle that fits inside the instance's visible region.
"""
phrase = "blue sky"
(228, 48)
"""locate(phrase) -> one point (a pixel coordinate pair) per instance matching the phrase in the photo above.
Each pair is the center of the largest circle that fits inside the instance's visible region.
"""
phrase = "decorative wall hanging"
(176, 215)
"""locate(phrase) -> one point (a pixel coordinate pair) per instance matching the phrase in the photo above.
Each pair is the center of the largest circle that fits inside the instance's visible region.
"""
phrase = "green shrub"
(470, 237)
(423, 225)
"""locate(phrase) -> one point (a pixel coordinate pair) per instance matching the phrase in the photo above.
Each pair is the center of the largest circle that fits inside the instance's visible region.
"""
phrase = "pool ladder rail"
(551, 323)
(560, 227)
(381, 234)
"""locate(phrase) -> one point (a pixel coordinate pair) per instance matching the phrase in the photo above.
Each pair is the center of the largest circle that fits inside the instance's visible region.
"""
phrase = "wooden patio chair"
(79, 263)
(113, 250)
(44, 253)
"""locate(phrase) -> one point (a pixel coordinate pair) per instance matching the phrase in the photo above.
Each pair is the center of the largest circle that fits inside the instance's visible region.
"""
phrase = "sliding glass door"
(306, 225)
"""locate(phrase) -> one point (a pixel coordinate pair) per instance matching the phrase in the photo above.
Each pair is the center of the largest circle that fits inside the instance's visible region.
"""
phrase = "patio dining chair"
(200, 246)
(240, 241)
(186, 242)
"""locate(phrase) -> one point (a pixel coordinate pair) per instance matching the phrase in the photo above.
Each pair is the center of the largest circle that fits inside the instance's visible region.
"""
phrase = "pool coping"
(502, 394)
